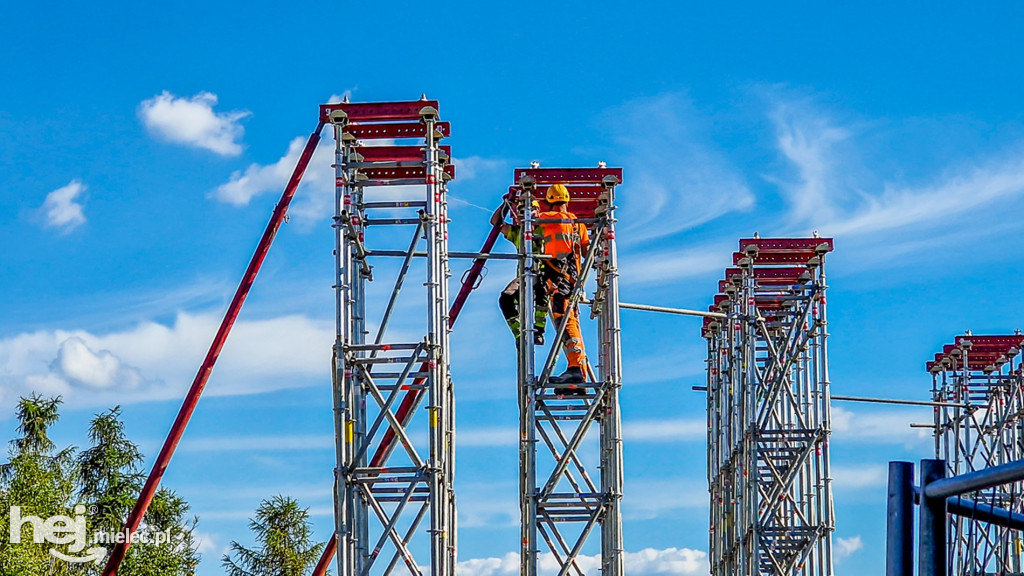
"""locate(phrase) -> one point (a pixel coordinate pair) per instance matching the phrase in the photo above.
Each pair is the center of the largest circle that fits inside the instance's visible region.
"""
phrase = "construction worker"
(508, 301)
(564, 242)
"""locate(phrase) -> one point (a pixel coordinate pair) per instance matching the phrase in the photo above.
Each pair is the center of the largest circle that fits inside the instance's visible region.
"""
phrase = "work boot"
(538, 338)
(572, 375)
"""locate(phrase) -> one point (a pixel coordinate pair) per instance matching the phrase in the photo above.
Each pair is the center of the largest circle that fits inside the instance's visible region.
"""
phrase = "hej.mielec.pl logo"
(72, 532)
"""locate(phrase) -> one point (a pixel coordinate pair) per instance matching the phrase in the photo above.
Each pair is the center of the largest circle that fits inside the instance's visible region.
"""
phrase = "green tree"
(41, 481)
(111, 479)
(106, 478)
(284, 538)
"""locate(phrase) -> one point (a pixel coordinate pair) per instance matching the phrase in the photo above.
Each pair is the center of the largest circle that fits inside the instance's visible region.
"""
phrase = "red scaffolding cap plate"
(567, 176)
(778, 245)
(401, 173)
(393, 131)
(378, 111)
(396, 153)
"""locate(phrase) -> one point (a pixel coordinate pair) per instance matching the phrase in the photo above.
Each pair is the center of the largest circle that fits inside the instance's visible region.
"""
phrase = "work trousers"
(508, 301)
(560, 281)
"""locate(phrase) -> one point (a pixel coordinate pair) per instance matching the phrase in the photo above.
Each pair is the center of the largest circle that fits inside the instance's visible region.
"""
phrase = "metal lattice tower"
(393, 399)
(978, 380)
(769, 413)
(571, 447)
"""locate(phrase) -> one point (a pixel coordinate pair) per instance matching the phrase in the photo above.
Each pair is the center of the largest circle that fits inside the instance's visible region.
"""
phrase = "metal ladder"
(389, 392)
(565, 493)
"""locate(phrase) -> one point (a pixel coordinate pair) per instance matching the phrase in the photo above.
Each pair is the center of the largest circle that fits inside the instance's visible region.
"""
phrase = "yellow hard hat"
(557, 193)
(536, 204)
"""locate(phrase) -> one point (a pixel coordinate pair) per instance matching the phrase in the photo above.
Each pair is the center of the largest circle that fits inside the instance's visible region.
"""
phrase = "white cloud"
(207, 544)
(61, 208)
(678, 430)
(881, 426)
(856, 477)
(470, 167)
(78, 363)
(847, 546)
(315, 197)
(193, 122)
(643, 563)
(152, 361)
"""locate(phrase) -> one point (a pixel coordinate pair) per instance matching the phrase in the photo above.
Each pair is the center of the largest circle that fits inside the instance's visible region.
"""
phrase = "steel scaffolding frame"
(978, 425)
(769, 412)
(383, 495)
(560, 501)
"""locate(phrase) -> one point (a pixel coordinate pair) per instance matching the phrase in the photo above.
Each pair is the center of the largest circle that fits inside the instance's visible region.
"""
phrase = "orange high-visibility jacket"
(562, 239)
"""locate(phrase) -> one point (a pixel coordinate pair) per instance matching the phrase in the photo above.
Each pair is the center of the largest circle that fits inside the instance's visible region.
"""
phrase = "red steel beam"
(203, 376)
(543, 176)
(775, 245)
(396, 153)
(378, 111)
(404, 130)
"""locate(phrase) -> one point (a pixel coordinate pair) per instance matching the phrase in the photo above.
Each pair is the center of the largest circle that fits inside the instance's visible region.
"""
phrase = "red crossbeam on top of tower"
(378, 111)
(585, 185)
(396, 153)
(991, 342)
(567, 176)
(786, 245)
(394, 131)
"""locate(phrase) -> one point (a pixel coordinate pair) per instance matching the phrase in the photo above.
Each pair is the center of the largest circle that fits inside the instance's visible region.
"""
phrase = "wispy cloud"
(833, 187)
(677, 178)
(858, 477)
(845, 547)
(647, 562)
(660, 266)
(881, 426)
(192, 121)
(63, 209)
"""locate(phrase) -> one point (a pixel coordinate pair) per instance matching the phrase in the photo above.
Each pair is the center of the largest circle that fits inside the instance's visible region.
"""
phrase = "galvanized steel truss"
(566, 490)
(979, 425)
(769, 413)
(393, 397)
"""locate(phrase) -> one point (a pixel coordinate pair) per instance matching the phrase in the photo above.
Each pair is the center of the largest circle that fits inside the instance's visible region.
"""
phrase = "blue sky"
(144, 147)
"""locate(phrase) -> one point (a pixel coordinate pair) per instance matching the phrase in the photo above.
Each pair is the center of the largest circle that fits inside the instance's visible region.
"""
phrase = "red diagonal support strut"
(192, 399)
(325, 559)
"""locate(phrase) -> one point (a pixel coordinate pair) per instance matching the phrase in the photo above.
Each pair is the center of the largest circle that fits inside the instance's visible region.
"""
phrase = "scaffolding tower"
(391, 384)
(769, 412)
(977, 382)
(571, 446)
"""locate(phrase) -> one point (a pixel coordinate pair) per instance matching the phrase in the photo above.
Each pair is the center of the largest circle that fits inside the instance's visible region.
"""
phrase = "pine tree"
(111, 480)
(284, 539)
(40, 480)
